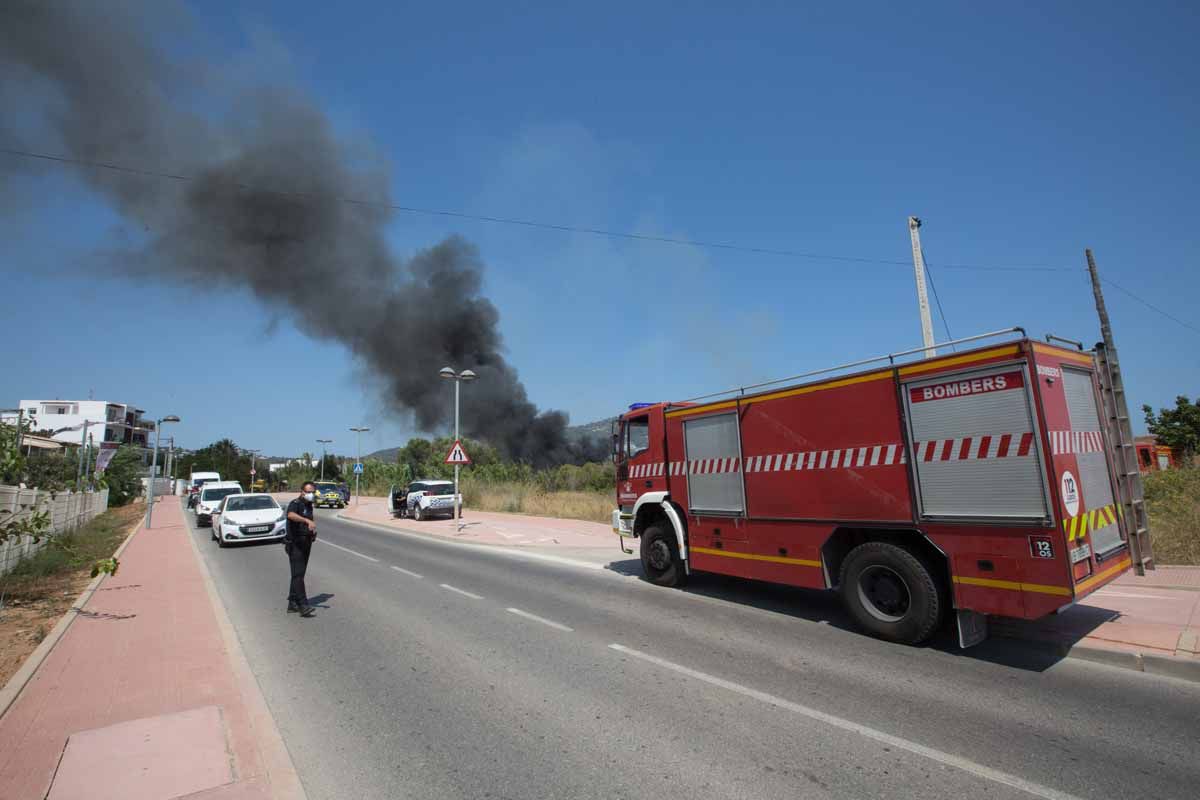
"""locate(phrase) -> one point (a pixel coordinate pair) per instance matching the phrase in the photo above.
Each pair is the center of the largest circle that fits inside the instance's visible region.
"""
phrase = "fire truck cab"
(979, 482)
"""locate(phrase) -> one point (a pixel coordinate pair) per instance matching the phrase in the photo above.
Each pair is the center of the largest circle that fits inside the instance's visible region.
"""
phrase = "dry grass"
(42, 588)
(1173, 503)
(520, 498)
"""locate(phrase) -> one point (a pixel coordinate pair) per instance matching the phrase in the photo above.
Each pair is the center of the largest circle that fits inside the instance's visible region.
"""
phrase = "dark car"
(345, 490)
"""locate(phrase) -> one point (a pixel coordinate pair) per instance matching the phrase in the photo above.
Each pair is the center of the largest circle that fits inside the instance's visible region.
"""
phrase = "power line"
(938, 300)
(1150, 305)
(514, 221)
(580, 229)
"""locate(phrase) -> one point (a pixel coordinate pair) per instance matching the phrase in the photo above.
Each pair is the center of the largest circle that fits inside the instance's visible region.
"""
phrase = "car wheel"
(661, 562)
(891, 593)
(418, 515)
(221, 542)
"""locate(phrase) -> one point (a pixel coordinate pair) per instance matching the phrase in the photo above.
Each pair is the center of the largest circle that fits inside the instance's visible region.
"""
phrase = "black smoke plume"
(266, 197)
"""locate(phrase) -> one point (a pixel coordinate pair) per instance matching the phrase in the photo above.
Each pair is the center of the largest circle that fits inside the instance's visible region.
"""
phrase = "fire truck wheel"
(661, 563)
(891, 593)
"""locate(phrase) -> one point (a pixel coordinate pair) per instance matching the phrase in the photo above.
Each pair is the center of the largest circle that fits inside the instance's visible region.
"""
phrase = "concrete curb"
(19, 680)
(277, 761)
(1186, 669)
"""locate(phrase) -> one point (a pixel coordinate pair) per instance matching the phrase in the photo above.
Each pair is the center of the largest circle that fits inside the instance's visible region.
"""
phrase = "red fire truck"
(979, 481)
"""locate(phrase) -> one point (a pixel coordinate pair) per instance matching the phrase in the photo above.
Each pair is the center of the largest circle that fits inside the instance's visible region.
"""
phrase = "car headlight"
(229, 522)
(282, 516)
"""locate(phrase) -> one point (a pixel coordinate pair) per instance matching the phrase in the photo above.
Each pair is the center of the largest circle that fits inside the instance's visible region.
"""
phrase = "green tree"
(221, 456)
(1178, 427)
(123, 478)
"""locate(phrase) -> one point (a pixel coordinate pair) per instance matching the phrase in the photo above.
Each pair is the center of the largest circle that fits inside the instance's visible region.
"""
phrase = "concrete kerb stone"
(281, 770)
(21, 678)
(1187, 669)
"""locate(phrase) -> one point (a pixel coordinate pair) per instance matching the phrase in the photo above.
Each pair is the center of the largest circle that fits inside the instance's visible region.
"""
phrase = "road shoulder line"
(942, 757)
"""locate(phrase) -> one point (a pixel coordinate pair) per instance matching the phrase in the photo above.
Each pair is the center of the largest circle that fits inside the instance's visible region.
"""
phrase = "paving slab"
(148, 642)
(156, 758)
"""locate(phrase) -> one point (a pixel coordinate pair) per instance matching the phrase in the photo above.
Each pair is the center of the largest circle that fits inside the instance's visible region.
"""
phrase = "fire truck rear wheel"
(891, 593)
(661, 563)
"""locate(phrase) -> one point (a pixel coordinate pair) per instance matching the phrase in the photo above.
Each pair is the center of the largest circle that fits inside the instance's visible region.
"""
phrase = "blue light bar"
(636, 406)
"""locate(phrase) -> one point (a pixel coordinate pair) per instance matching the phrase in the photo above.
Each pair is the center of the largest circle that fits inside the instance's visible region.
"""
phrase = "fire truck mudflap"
(977, 483)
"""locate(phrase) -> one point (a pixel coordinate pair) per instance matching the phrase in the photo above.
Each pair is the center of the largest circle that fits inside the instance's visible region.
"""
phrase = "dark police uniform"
(298, 544)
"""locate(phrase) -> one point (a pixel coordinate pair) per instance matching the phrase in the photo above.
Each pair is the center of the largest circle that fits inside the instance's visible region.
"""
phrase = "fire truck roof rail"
(1050, 337)
(890, 358)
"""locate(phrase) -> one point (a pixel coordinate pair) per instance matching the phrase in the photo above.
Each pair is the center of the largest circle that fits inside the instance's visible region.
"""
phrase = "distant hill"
(575, 433)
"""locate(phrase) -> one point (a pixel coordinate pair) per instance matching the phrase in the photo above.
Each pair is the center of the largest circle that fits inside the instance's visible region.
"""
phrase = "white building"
(113, 423)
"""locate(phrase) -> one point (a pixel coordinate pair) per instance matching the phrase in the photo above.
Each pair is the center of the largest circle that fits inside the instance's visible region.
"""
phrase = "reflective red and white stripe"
(1066, 442)
(879, 455)
(1004, 445)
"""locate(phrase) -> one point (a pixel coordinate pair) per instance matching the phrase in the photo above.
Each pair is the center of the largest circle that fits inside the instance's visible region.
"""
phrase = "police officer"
(301, 530)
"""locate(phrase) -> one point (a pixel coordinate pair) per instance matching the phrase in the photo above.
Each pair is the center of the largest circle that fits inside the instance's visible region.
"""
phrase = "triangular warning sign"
(457, 454)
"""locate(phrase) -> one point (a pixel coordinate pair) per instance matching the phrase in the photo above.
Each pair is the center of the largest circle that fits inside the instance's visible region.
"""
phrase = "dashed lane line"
(463, 592)
(407, 572)
(550, 623)
(948, 759)
(348, 550)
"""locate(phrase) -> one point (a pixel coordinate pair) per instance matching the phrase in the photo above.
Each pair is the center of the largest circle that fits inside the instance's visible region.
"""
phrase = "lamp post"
(154, 465)
(323, 442)
(458, 377)
(357, 459)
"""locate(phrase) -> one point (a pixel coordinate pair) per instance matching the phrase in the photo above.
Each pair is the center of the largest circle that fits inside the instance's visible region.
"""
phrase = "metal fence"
(68, 511)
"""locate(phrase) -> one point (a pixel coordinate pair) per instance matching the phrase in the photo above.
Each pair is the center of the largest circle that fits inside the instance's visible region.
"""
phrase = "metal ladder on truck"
(1129, 478)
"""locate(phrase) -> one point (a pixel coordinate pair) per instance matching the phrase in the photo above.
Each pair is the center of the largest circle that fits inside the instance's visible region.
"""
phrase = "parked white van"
(210, 497)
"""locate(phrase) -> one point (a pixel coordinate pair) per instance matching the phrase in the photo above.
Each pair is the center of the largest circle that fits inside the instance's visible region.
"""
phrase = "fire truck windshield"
(637, 436)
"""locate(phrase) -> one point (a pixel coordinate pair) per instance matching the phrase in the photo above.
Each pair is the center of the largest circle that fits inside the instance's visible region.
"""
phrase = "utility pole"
(1116, 412)
(914, 225)
(324, 454)
(358, 432)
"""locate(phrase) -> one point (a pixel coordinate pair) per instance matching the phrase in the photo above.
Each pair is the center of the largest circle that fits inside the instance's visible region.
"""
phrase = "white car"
(423, 499)
(248, 517)
(210, 497)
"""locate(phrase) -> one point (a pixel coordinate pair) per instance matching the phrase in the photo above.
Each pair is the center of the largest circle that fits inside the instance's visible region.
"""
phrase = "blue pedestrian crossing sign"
(358, 468)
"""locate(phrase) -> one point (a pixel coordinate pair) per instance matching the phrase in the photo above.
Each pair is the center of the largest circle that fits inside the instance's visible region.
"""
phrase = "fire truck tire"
(891, 593)
(661, 563)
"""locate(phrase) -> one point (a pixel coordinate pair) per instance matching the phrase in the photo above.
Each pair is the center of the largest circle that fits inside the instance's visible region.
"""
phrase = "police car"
(423, 499)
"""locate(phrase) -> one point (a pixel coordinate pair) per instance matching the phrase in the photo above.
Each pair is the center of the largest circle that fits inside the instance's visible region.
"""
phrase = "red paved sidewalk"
(1141, 621)
(152, 690)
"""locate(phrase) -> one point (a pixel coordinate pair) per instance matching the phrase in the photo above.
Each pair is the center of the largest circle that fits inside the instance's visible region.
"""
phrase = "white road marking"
(493, 549)
(460, 591)
(950, 760)
(542, 620)
(348, 550)
(407, 572)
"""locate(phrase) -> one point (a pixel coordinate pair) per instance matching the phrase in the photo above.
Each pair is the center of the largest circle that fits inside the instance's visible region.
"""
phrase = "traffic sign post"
(358, 469)
(457, 455)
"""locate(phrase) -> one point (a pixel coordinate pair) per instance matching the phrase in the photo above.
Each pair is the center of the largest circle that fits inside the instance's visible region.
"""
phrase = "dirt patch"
(38, 593)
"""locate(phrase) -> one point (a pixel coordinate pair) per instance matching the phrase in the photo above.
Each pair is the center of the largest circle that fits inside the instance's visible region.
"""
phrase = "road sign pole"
(457, 504)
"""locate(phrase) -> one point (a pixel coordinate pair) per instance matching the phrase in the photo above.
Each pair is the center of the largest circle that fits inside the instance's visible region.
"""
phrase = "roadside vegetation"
(489, 483)
(1173, 504)
(42, 587)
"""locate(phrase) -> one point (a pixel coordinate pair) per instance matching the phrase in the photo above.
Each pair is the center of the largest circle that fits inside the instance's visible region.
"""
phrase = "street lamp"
(357, 459)
(323, 442)
(154, 465)
(459, 378)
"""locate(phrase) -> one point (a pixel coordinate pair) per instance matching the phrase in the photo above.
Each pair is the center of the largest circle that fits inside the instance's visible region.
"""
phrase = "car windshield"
(251, 504)
(218, 494)
(327, 487)
(437, 488)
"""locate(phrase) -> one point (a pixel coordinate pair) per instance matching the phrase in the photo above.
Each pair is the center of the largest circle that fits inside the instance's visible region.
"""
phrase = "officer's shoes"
(293, 608)
(307, 611)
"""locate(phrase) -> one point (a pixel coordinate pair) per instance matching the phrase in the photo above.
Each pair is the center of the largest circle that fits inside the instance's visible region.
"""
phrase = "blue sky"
(1020, 135)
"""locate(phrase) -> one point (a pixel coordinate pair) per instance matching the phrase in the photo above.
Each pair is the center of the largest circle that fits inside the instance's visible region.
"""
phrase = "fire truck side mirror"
(616, 454)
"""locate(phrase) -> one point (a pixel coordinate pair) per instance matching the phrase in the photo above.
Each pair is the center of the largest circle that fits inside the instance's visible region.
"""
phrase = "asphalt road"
(436, 671)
